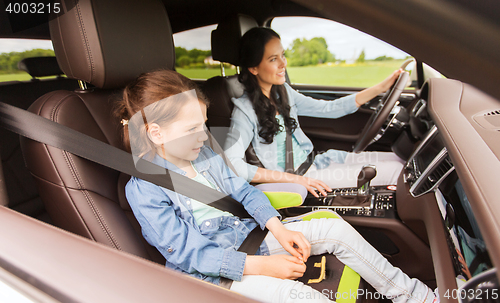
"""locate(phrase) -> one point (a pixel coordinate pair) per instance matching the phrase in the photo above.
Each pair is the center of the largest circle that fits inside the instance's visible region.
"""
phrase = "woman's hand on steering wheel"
(389, 81)
(369, 93)
(384, 108)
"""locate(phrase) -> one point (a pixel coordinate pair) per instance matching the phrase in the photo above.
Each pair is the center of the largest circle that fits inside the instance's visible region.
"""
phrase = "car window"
(193, 55)
(324, 52)
(14, 50)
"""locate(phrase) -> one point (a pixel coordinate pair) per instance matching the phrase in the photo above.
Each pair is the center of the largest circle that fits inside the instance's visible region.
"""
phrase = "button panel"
(382, 204)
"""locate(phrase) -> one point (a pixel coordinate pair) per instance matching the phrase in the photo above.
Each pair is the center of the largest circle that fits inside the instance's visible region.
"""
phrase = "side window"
(324, 52)
(193, 55)
(14, 50)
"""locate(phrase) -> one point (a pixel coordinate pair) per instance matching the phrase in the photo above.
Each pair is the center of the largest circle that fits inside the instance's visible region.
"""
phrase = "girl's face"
(183, 137)
(271, 70)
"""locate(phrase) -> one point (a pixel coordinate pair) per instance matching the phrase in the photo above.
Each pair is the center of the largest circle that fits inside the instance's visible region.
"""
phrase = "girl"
(270, 106)
(164, 116)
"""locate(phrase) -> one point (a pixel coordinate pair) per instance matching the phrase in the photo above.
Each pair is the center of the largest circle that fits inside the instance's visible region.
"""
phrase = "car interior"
(438, 224)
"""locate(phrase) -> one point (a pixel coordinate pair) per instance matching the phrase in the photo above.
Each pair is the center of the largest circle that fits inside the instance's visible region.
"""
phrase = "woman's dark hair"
(251, 52)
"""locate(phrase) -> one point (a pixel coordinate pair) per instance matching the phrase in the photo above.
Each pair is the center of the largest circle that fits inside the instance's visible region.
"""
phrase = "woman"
(270, 106)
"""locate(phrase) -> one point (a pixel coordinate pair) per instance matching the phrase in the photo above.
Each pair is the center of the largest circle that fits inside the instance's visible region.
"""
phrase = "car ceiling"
(183, 15)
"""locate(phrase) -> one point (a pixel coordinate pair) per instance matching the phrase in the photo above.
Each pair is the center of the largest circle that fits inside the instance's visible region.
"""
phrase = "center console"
(363, 200)
(381, 203)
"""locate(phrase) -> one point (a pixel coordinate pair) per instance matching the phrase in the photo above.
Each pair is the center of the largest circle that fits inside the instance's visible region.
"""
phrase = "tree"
(8, 61)
(309, 52)
(383, 58)
(186, 57)
(361, 57)
(183, 61)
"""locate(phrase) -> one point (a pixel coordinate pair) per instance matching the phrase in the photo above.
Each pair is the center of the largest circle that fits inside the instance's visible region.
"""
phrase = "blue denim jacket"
(245, 129)
(208, 251)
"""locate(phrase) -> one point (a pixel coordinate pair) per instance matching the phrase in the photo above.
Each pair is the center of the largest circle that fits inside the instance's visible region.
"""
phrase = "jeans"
(338, 175)
(338, 237)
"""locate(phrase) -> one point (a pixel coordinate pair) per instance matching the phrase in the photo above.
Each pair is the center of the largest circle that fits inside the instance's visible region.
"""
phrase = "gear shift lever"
(367, 173)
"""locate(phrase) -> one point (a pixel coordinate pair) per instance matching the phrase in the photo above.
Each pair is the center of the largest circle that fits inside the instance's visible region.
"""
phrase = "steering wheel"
(381, 113)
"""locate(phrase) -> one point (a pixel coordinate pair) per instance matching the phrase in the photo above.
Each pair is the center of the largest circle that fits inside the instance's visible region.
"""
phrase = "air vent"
(433, 175)
(489, 119)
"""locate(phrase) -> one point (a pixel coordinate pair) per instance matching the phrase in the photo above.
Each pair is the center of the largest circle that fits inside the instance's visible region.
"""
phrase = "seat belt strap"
(289, 167)
(305, 165)
(54, 134)
(250, 246)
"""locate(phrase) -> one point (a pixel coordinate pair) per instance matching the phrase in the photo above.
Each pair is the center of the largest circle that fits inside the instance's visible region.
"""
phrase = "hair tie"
(124, 122)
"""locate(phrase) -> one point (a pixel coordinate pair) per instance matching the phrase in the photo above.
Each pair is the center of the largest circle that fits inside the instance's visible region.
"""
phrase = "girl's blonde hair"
(141, 97)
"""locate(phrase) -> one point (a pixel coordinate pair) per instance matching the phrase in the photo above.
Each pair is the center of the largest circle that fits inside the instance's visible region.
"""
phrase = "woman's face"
(271, 69)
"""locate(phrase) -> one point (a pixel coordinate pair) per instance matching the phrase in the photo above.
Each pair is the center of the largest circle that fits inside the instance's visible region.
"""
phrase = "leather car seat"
(107, 44)
(220, 89)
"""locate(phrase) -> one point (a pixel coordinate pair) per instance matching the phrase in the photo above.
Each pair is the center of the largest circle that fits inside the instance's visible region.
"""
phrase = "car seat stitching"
(45, 146)
(97, 213)
(83, 32)
(79, 181)
(66, 188)
(99, 218)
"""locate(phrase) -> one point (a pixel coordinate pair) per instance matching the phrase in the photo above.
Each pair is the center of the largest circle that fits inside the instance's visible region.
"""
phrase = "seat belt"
(289, 165)
(288, 153)
(54, 134)
(48, 132)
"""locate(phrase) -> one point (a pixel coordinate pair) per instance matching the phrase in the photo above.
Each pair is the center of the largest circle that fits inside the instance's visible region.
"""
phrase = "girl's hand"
(312, 184)
(278, 266)
(293, 242)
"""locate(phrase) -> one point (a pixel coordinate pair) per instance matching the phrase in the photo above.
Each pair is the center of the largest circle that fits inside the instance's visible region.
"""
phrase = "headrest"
(226, 37)
(109, 43)
(40, 66)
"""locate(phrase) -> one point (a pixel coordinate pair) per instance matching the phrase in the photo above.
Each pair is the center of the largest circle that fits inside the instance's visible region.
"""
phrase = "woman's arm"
(367, 94)
(308, 106)
(271, 176)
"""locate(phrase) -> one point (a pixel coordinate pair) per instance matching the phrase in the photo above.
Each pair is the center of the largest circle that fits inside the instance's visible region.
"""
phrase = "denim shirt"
(207, 251)
(245, 129)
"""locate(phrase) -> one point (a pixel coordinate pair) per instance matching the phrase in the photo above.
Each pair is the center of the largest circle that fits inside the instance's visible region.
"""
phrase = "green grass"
(353, 75)
(204, 73)
(350, 75)
(14, 77)
(20, 77)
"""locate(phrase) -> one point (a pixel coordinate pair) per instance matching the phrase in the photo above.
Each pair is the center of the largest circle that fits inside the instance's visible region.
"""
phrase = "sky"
(344, 42)
(20, 45)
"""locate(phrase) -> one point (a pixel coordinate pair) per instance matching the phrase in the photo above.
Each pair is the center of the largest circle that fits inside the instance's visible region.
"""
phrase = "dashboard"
(430, 169)
(455, 166)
